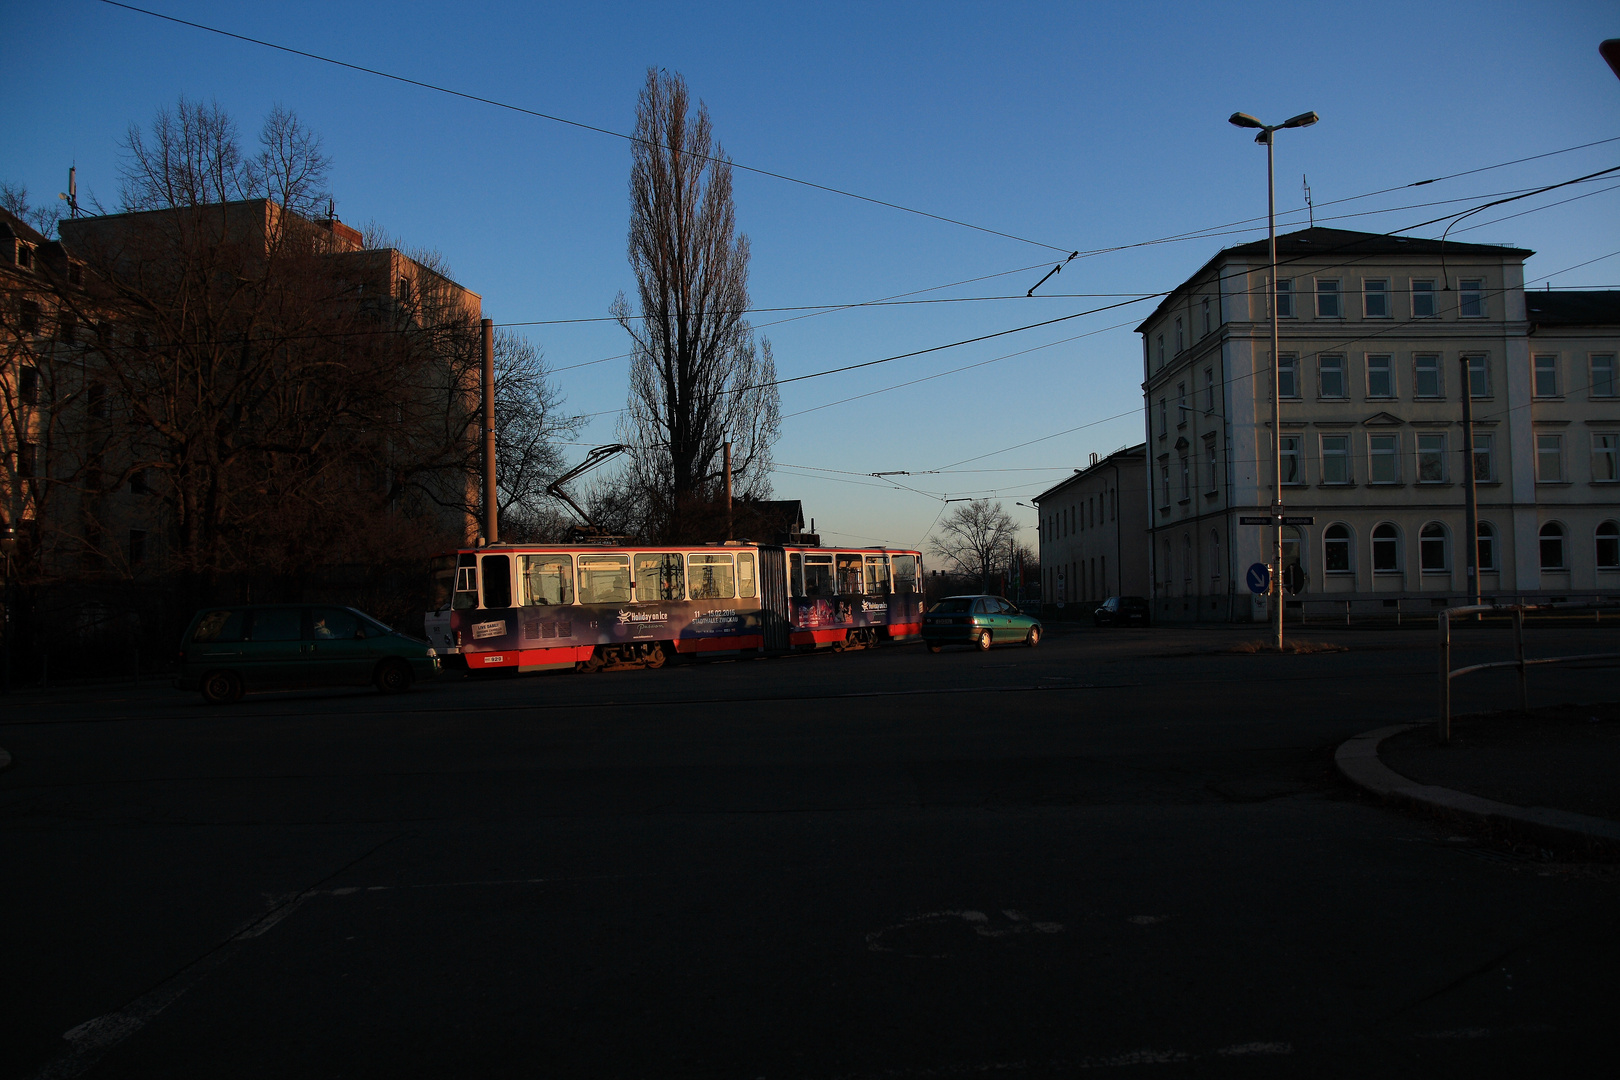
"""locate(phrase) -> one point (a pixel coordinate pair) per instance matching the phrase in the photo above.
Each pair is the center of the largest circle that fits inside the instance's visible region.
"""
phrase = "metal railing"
(1519, 661)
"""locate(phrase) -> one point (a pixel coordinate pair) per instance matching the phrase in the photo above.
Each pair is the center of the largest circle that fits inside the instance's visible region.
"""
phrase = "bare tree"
(14, 198)
(975, 539)
(697, 377)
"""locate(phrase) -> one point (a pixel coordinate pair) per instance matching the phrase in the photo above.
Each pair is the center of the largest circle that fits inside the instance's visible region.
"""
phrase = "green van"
(227, 651)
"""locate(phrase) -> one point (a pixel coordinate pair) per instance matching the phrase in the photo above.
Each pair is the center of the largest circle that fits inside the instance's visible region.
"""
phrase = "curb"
(1357, 759)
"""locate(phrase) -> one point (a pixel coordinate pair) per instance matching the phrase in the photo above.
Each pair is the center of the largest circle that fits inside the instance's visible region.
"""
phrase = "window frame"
(1283, 296)
(1538, 391)
(1419, 362)
(1474, 296)
(1552, 532)
(1289, 363)
(1329, 293)
(1432, 456)
(1341, 455)
(1291, 449)
(1388, 371)
(1479, 369)
(1606, 545)
(1390, 456)
(1485, 540)
(1388, 544)
(1423, 287)
(1610, 386)
(1605, 457)
(1338, 547)
(1550, 446)
(1378, 287)
(1340, 369)
(1489, 457)
(1434, 548)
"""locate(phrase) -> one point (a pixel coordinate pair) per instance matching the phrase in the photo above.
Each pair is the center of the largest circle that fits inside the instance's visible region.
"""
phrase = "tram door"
(773, 598)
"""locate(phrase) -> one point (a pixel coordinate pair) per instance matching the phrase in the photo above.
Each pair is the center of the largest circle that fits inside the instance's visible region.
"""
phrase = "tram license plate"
(496, 659)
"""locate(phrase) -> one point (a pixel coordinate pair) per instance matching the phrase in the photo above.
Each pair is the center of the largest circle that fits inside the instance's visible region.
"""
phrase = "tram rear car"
(554, 606)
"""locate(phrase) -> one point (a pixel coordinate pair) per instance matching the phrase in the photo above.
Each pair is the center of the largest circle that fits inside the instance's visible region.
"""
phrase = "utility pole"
(492, 527)
(1470, 505)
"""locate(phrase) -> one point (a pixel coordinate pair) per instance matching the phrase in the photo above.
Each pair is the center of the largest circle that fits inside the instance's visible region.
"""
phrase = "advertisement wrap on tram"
(547, 607)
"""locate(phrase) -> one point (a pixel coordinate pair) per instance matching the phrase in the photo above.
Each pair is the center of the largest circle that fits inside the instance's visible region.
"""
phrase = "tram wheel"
(655, 656)
(984, 641)
(221, 687)
(595, 663)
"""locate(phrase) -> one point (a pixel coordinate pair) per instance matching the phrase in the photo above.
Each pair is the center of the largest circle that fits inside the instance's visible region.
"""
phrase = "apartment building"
(1093, 532)
(1380, 337)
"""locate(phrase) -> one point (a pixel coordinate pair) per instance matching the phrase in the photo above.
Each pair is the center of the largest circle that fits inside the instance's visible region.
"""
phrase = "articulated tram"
(545, 607)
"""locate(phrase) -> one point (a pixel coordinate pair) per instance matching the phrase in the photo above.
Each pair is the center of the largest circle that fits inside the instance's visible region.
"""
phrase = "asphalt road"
(1120, 853)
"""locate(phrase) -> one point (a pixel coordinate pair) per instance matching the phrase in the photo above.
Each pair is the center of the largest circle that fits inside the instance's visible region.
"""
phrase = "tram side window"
(497, 581)
(604, 579)
(849, 574)
(219, 626)
(905, 573)
(796, 574)
(466, 586)
(711, 576)
(745, 574)
(660, 576)
(818, 575)
(877, 575)
(548, 579)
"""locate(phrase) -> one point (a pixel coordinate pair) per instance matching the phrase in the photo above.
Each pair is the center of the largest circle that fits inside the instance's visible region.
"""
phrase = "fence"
(1519, 661)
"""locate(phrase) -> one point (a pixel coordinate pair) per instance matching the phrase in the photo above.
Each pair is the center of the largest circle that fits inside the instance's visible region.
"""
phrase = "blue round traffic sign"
(1259, 577)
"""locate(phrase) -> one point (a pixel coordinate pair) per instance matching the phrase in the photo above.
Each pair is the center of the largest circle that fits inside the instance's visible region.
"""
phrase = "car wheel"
(221, 687)
(984, 641)
(393, 676)
(1034, 638)
(934, 647)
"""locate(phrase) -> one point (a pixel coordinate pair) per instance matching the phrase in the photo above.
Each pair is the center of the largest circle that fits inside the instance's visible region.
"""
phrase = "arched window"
(1336, 550)
(1608, 546)
(1432, 548)
(1386, 549)
(1214, 541)
(1552, 546)
(1293, 550)
(1487, 546)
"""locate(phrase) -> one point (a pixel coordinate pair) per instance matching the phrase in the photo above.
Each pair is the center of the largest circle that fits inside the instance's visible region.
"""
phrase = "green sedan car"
(980, 621)
(228, 651)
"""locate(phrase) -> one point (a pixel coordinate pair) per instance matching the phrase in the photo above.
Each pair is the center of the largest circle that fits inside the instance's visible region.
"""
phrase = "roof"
(1306, 244)
(12, 225)
(1139, 450)
(1573, 308)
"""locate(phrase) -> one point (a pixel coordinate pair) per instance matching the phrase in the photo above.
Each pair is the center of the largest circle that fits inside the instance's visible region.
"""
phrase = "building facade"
(1093, 532)
(1380, 337)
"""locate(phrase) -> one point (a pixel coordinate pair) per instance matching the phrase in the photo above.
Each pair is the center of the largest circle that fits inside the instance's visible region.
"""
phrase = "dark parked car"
(979, 621)
(228, 651)
(1122, 611)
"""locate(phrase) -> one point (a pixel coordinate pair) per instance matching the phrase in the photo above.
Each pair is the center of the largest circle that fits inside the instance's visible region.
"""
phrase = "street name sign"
(1299, 521)
(1257, 521)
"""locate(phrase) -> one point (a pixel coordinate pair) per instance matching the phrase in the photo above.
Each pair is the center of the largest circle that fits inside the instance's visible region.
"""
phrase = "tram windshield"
(548, 579)
(905, 573)
(604, 579)
(818, 575)
(660, 576)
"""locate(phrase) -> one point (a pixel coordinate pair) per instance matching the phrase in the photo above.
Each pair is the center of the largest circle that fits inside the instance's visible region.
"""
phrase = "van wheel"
(393, 676)
(984, 641)
(221, 687)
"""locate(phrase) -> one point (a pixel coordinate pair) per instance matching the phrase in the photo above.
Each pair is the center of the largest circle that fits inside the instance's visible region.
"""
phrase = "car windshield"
(953, 605)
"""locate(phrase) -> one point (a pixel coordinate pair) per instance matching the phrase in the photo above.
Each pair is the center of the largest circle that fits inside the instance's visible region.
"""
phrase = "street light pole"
(1266, 138)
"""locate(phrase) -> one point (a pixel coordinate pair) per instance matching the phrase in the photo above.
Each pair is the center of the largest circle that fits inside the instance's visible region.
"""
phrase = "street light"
(1265, 138)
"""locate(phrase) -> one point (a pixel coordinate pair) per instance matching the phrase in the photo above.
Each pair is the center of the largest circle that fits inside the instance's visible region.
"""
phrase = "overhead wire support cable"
(577, 124)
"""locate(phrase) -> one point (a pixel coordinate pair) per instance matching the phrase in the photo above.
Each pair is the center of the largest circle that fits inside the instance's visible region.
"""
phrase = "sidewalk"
(1551, 771)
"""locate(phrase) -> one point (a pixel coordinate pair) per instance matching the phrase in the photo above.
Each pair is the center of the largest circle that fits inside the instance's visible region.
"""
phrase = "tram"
(543, 607)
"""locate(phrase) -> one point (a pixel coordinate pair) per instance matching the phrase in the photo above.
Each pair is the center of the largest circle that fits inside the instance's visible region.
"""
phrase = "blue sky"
(1081, 126)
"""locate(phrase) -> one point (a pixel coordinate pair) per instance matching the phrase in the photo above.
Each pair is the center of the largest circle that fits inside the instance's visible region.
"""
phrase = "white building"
(1093, 531)
(1376, 333)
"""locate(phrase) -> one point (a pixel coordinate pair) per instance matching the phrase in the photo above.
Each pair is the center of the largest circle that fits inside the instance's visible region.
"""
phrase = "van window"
(277, 624)
(219, 626)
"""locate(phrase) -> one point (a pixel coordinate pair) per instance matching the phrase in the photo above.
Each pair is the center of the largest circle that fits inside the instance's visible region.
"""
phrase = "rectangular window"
(1546, 376)
(1161, 350)
(1210, 469)
(1484, 458)
(877, 575)
(905, 573)
(1375, 298)
(1426, 377)
(848, 568)
(710, 577)
(1180, 338)
(1605, 463)
(1288, 451)
(547, 579)
(1335, 459)
(603, 579)
(1206, 315)
(1328, 304)
(1603, 382)
(1285, 299)
(1209, 390)
(1383, 459)
(1380, 376)
(818, 576)
(1423, 298)
(1330, 370)
(1479, 377)
(1181, 405)
(660, 575)
(1164, 424)
(1471, 298)
(1288, 376)
(497, 570)
(1164, 485)
(745, 574)
(1186, 479)
(1431, 458)
(1549, 459)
